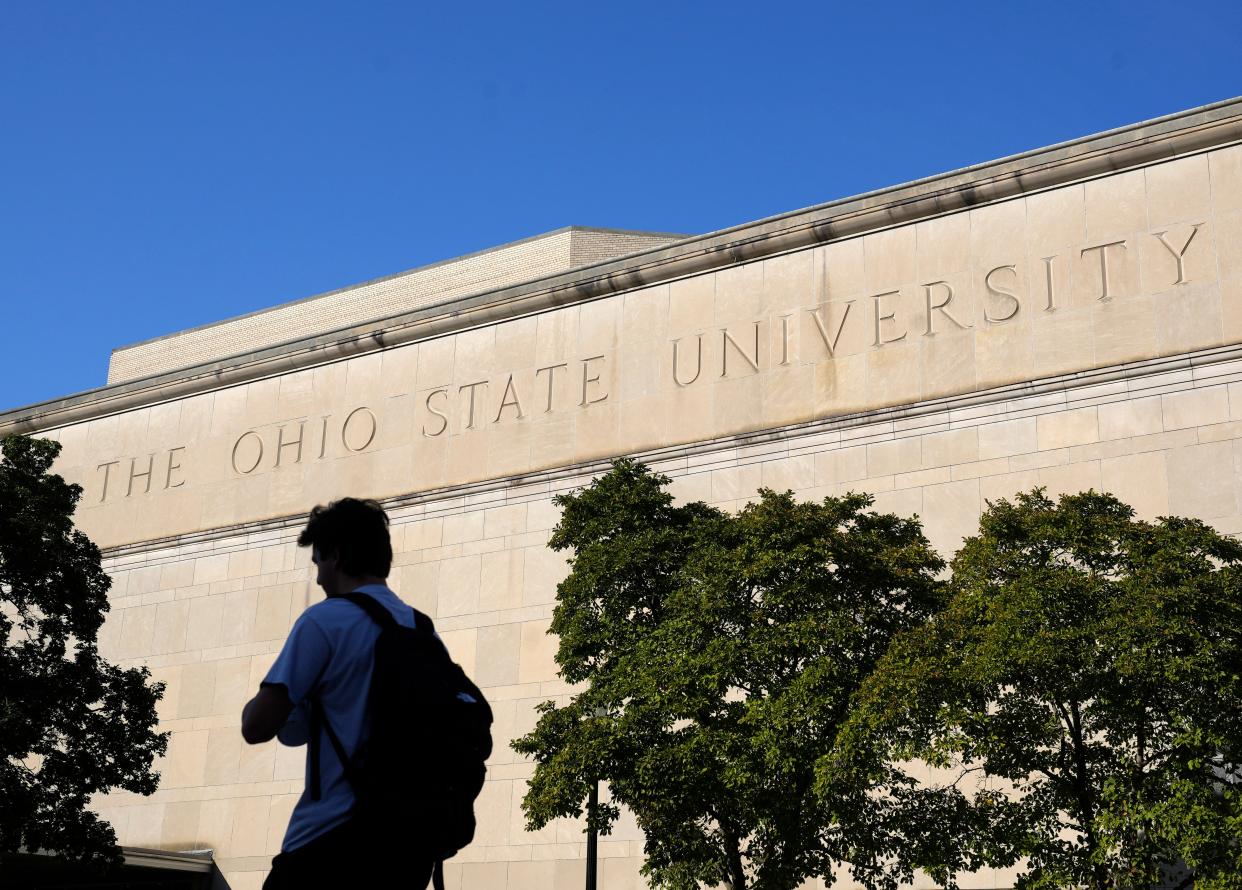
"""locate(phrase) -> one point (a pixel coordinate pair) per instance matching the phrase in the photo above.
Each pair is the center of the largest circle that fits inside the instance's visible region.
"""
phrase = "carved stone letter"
(507, 402)
(1179, 255)
(145, 475)
(551, 369)
(1104, 296)
(698, 366)
(470, 414)
(1052, 303)
(258, 457)
(369, 422)
(281, 444)
(174, 463)
(785, 339)
(880, 318)
(995, 290)
(587, 380)
(941, 307)
(440, 414)
(107, 468)
(726, 339)
(830, 343)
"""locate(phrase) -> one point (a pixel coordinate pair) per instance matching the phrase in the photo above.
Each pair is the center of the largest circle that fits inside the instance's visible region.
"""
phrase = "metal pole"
(592, 857)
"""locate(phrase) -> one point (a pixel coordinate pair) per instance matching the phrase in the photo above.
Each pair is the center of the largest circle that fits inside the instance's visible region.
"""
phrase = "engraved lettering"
(785, 339)
(370, 436)
(1179, 255)
(174, 464)
(726, 339)
(472, 387)
(107, 468)
(323, 436)
(440, 414)
(506, 402)
(830, 343)
(880, 318)
(587, 380)
(1051, 305)
(995, 290)
(941, 307)
(698, 367)
(281, 444)
(551, 369)
(145, 475)
(1104, 296)
(258, 457)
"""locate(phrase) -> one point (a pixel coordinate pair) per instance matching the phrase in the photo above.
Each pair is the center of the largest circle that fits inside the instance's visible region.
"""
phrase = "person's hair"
(353, 530)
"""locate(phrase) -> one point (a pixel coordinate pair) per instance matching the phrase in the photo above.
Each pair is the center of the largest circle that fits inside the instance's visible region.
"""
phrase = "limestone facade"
(1070, 318)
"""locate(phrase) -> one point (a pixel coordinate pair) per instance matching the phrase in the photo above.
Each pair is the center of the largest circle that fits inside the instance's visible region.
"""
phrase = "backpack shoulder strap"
(379, 614)
(423, 622)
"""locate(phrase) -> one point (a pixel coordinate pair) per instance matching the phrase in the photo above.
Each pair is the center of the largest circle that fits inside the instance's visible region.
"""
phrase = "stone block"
(942, 246)
(537, 655)
(1064, 429)
(180, 828)
(183, 764)
(1007, 437)
(1197, 407)
(1129, 418)
(889, 259)
(1202, 481)
(1178, 191)
(840, 269)
(1141, 480)
(1055, 220)
(1116, 206)
(458, 588)
(1071, 478)
(171, 624)
(997, 233)
(206, 621)
(496, 655)
(543, 570)
(249, 837)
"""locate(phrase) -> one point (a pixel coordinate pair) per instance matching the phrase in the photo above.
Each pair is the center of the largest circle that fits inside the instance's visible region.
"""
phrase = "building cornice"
(1125, 148)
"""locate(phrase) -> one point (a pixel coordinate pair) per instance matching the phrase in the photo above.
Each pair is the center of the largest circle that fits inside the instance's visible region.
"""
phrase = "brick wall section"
(509, 264)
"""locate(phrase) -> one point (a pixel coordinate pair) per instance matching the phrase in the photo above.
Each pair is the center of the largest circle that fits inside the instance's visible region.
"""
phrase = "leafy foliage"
(716, 656)
(1087, 671)
(71, 725)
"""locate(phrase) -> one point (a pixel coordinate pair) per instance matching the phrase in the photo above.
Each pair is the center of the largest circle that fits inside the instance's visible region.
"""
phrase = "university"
(1070, 317)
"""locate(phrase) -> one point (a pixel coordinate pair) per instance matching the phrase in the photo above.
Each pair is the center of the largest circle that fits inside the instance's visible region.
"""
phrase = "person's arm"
(265, 714)
(291, 679)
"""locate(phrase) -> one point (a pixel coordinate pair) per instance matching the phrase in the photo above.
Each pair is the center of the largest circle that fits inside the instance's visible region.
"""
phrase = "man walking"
(326, 664)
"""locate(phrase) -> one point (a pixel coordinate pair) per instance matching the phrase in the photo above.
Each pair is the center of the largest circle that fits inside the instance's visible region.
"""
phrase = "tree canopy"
(71, 724)
(1075, 711)
(716, 655)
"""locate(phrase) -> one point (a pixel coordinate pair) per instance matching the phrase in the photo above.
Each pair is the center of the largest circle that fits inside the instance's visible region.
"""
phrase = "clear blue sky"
(170, 164)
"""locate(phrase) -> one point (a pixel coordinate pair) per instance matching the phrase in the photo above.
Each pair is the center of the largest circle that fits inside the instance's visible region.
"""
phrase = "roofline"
(340, 290)
(1137, 145)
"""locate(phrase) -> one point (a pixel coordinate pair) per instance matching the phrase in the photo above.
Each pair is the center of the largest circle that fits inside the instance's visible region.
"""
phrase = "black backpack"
(417, 774)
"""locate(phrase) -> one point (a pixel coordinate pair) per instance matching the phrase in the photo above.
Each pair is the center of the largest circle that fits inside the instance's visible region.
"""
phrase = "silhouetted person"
(327, 662)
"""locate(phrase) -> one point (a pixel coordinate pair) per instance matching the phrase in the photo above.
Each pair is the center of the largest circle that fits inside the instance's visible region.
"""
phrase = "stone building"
(1070, 317)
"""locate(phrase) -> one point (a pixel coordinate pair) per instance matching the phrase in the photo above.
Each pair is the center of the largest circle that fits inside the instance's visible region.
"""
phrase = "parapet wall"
(558, 251)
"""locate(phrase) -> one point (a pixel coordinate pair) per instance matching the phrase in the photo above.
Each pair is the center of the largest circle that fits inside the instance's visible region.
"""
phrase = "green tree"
(715, 656)
(71, 725)
(1086, 671)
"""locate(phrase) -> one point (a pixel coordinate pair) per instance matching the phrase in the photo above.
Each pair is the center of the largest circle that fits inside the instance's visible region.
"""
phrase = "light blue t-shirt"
(330, 652)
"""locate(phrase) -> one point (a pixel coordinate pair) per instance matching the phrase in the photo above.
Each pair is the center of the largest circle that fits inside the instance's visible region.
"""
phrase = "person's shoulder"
(332, 612)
